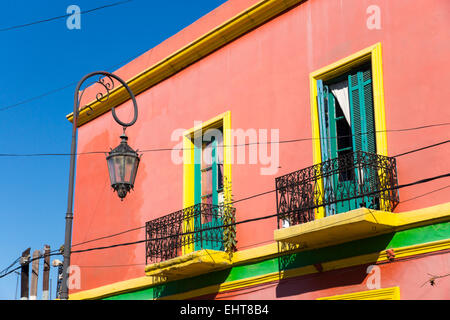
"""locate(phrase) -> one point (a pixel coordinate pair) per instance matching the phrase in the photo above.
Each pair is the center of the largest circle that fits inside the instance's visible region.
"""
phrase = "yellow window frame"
(223, 120)
(372, 54)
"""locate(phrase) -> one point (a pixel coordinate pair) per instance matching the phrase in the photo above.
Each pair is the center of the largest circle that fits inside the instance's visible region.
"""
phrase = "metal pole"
(73, 150)
(69, 212)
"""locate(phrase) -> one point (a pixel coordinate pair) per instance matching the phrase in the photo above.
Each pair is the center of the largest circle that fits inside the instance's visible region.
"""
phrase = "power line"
(63, 16)
(258, 195)
(251, 197)
(53, 252)
(109, 236)
(10, 266)
(425, 194)
(243, 144)
(57, 89)
(254, 219)
(29, 262)
(423, 148)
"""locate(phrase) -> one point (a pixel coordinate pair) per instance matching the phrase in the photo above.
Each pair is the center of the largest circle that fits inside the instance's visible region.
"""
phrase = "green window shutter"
(363, 130)
(361, 108)
(332, 129)
(324, 144)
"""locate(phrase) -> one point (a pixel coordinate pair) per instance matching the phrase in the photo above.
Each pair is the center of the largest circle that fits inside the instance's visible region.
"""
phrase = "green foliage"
(229, 220)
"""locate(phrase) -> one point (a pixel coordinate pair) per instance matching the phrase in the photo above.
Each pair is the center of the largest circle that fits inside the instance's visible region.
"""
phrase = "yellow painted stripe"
(145, 282)
(405, 220)
(327, 266)
(392, 293)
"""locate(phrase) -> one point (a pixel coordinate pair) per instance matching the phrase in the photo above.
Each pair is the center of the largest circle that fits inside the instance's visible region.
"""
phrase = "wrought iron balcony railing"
(202, 226)
(351, 181)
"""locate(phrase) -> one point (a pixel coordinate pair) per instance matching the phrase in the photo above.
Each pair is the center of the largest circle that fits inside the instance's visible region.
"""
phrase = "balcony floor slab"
(357, 224)
(188, 265)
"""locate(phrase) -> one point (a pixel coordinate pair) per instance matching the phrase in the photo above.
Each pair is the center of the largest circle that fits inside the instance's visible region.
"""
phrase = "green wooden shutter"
(361, 108)
(324, 145)
(363, 131)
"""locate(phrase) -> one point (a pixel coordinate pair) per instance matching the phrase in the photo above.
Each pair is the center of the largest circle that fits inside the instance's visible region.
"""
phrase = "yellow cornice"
(228, 31)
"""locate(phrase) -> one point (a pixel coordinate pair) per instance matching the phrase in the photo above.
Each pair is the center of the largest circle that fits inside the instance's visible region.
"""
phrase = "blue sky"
(41, 58)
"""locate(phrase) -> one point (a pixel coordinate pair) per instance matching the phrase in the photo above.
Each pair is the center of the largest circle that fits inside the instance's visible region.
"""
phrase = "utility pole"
(34, 274)
(46, 276)
(24, 274)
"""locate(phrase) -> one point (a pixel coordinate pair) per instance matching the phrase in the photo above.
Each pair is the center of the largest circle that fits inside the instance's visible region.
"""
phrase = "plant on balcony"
(229, 220)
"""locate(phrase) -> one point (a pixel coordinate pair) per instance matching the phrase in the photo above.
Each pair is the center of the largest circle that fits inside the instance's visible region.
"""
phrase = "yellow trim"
(374, 258)
(225, 33)
(189, 265)
(343, 227)
(188, 185)
(358, 224)
(404, 220)
(223, 120)
(392, 293)
(373, 54)
(114, 288)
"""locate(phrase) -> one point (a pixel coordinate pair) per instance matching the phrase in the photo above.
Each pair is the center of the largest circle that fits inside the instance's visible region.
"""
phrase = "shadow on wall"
(186, 285)
(314, 259)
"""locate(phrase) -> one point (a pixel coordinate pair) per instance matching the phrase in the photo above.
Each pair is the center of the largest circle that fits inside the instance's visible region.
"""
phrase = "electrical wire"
(243, 144)
(57, 89)
(258, 195)
(423, 148)
(425, 194)
(54, 252)
(61, 17)
(253, 219)
(236, 223)
(10, 266)
(109, 236)
(31, 260)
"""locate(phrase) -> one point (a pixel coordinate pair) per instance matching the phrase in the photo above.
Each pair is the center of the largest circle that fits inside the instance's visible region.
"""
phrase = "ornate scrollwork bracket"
(106, 80)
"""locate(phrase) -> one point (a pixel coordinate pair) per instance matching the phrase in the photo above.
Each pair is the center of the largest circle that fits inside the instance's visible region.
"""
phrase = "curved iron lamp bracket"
(107, 82)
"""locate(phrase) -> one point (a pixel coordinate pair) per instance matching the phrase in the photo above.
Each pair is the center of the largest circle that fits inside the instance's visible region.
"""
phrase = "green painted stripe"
(356, 248)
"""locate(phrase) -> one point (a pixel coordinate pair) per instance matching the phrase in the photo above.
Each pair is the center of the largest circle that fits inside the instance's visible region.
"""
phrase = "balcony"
(352, 181)
(189, 241)
(335, 189)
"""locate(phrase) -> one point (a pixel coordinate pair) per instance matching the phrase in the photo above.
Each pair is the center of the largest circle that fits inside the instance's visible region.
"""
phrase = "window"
(346, 115)
(207, 178)
(345, 107)
(210, 170)
(348, 118)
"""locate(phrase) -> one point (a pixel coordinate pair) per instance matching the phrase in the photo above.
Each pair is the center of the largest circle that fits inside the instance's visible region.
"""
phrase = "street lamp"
(122, 162)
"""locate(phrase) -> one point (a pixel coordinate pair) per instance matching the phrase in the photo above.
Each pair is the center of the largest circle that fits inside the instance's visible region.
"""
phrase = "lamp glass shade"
(123, 163)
